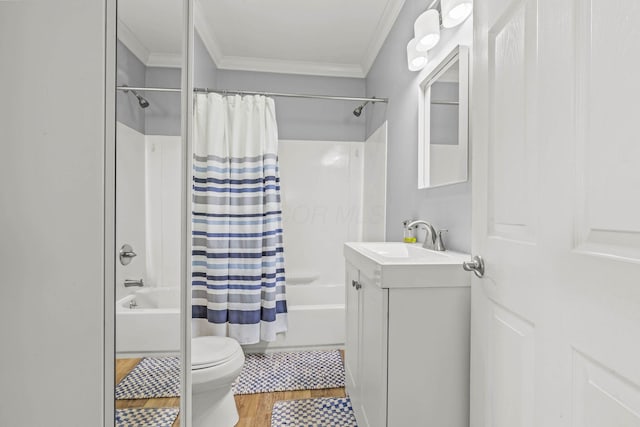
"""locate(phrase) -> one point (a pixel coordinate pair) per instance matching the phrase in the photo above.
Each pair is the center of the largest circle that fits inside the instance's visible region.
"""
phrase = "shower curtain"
(238, 282)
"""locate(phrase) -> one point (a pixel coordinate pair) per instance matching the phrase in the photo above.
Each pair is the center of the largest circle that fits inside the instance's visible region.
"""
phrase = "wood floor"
(254, 409)
(123, 367)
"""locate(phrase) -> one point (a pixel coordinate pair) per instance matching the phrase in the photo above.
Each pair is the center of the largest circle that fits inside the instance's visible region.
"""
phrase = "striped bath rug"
(153, 377)
(319, 412)
(302, 370)
(156, 417)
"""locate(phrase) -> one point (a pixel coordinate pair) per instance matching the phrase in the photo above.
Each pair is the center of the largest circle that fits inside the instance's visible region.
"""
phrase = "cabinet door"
(374, 310)
(352, 339)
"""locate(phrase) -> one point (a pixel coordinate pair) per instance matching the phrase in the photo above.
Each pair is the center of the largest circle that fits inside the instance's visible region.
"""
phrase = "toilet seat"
(207, 352)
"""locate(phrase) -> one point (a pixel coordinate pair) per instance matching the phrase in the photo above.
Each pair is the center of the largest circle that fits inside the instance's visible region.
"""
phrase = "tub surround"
(148, 182)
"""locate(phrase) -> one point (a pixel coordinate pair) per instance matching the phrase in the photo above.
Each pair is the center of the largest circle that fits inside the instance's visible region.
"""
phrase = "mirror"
(148, 212)
(444, 122)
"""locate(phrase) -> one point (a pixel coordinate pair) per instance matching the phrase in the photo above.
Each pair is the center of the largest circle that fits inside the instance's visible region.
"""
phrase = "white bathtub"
(152, 327)
(316, 318)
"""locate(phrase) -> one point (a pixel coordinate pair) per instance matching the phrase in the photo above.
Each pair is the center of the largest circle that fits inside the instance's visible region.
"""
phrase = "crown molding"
(266, 65)
(149, 59)
(389, 16)
(201, 26)
(129, 39)
(165, 60)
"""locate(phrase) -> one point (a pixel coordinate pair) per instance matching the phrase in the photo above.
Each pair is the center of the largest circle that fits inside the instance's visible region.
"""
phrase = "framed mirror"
(443, 134)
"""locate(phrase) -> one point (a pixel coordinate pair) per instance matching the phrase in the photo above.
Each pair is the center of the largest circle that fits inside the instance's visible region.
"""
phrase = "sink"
(405, 251)
(397, 264)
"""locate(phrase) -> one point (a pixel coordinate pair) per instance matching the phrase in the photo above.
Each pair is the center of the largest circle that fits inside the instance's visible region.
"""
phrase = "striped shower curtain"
(238, 283)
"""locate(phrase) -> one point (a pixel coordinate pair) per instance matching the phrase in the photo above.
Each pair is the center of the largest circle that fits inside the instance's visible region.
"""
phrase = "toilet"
(215, 363)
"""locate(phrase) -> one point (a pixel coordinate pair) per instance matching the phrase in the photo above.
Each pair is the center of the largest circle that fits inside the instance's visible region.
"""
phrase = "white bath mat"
(156, 417)
(152, 377)
(320, 412)
(303, 370)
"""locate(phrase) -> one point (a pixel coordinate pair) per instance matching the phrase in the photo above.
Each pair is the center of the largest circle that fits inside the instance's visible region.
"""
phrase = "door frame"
(109, 266)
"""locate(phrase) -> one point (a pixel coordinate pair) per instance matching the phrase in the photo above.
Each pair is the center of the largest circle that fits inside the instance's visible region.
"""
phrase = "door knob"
(476, 265)
(126, 254)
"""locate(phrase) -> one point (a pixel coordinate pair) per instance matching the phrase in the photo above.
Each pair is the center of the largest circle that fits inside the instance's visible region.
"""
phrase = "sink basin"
(397, 264)
(408, 252)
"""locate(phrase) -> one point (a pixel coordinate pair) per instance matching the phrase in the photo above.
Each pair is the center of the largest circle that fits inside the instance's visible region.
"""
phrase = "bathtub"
(316, 317)
(152, 326)
(316, 320)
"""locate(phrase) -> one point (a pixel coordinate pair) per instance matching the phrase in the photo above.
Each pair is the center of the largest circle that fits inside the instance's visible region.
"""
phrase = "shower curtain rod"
(242, 92)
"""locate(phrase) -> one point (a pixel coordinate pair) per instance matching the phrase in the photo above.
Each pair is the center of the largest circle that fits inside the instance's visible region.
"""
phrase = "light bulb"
(427, 30)
(415, 60)
(455, 12)
(419, 62)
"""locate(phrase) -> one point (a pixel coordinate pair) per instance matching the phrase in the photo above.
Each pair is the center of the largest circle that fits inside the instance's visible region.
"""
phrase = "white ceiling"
(152, 30)
(318, 37)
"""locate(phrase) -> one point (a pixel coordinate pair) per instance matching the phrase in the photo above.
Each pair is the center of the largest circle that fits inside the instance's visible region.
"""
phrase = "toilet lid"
(211, 351)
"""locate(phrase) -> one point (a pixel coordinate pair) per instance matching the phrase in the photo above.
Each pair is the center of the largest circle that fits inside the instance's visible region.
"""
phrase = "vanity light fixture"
(454, 12)
(416, 60)
(427, 28)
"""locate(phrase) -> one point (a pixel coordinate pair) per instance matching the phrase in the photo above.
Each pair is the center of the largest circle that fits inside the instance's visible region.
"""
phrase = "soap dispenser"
(409, 234)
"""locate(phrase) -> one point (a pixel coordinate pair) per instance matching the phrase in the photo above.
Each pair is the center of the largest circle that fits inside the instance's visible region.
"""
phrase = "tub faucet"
(430, 240)
(129, 282)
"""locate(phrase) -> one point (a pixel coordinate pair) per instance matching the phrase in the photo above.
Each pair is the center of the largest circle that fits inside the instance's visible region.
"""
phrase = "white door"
(556, 199)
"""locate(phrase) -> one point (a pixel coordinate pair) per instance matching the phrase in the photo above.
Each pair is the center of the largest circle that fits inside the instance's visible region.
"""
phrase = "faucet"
(430, 240)
(129, 282)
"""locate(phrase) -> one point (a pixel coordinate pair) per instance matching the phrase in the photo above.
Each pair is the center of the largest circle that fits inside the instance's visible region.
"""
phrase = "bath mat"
(321, 412)
(303, 370)
(152, 377)
(156, 417)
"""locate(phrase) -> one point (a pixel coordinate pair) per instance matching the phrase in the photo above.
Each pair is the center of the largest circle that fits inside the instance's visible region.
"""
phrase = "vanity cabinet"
(407, 346)
(366, 307)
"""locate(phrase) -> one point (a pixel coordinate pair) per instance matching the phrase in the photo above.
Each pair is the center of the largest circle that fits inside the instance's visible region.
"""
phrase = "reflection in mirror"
(444, 108)
(443, 140)
(148, 212)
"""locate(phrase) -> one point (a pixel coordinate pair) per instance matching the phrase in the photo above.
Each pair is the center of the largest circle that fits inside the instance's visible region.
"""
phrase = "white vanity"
(407, 338)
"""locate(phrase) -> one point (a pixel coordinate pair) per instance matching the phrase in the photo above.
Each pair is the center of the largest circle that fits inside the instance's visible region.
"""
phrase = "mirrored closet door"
(148, 212)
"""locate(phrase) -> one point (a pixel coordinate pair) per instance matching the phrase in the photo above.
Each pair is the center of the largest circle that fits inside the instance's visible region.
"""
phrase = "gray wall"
(131, 72)
(52, 219)
(311, 119)
(205, 71)
(163, 113)
(297, 118)
(447, 207)
(162, 117)
(444, 117)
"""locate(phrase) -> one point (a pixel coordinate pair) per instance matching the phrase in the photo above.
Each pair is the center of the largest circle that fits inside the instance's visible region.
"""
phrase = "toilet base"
(214, 408)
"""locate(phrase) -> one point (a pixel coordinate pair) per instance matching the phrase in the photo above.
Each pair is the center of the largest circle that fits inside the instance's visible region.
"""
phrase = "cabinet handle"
(353, 283)
(357, 286)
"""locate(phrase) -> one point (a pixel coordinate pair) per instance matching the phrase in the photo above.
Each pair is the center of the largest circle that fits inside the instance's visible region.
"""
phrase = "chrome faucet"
(128, 283)
(430, 240)
(439, 243)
